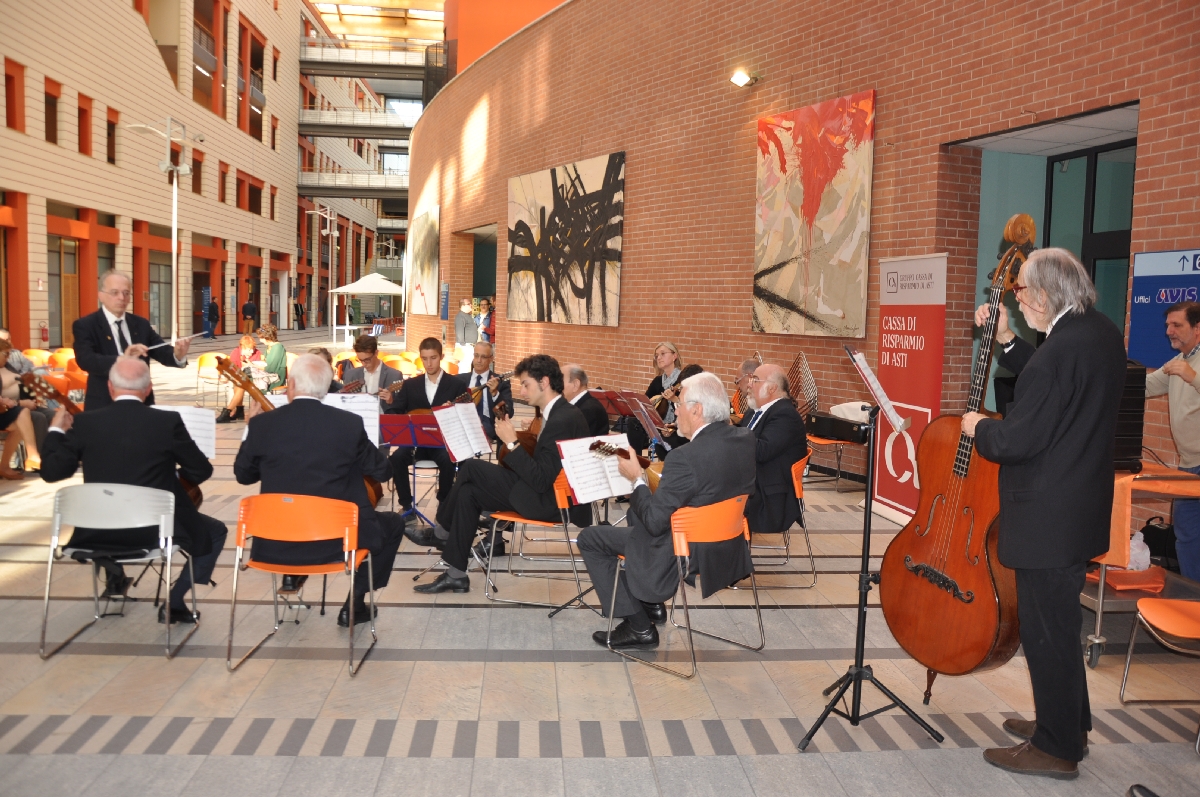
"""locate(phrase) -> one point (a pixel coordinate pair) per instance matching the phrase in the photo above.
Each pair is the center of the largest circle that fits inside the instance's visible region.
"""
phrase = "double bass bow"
(947, 599)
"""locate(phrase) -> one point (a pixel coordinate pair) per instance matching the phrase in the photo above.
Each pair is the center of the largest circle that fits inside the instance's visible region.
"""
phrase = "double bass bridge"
(938, 579)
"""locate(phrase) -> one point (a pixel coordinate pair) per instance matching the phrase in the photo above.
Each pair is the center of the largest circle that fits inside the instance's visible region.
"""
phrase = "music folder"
(200, 424)
(462, 430)
(593, 477)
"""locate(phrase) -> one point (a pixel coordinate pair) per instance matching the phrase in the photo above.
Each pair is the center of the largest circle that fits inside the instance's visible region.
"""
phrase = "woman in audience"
(15, 421)
(241, 357)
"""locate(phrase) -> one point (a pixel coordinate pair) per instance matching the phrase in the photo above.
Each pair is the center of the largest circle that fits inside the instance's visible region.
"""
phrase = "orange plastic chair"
(391, 360)
(717, 522)
(74, 366)
(563, 498)
(59, 359)
(59, 382)
(450, 366)
(1174, 624)
(39, 357)
(77, 380)
(299, 518)
(207, 374)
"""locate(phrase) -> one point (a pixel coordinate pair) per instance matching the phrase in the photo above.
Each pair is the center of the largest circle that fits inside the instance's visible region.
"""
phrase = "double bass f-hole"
(929, 520)
(970, 534)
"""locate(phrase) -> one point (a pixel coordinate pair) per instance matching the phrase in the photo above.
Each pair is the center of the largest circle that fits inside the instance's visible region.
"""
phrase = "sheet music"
(877, 391)
(458, 442)
(201, 425)
(593, 477)
(362, 405)
(277, 399)
(473, 426)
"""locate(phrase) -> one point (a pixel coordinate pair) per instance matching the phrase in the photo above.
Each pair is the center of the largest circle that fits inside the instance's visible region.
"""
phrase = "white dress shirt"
(431, 387)
(371, 379)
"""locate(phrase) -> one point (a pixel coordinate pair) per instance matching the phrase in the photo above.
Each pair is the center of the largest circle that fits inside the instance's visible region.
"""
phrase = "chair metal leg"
(237, 563)
(1166, 643)
(46, 609)
(163, 575)
(1137, 618)
(489, 587)
(687, 620)
(812, 562)
(762, 634)
(354, 668)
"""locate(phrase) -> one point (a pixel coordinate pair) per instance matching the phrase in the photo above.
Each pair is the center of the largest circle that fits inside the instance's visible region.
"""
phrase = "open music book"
(593, 477)
(201, 425)
(462, 430)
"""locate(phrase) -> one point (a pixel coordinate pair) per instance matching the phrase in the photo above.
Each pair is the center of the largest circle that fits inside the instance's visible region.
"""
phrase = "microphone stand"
(858, 671)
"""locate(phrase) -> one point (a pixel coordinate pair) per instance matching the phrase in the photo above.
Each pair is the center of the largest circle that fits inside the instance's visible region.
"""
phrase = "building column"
(124, 260)
(141, 272)
(17, 290)
(185, 289)
(38, 285)
(88, 265)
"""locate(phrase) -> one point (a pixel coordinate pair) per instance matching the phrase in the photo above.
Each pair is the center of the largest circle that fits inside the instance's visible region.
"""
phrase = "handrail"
(324, 42)
(363, 118)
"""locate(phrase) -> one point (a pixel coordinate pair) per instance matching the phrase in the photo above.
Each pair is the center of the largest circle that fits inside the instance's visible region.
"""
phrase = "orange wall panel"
(479, 25)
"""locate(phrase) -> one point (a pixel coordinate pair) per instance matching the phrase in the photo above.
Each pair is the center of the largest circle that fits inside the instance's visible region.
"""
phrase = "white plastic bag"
(851, 411)
(1139, 553)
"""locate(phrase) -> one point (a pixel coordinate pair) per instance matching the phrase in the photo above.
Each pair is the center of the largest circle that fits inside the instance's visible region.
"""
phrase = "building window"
(160, 292)
(85, 125)
(272, 203)
(275, 58)
(274, 131)
(111, 136)
(14, 96)
(254, 199)
(53, 90)
(223, 182)
(197, 172)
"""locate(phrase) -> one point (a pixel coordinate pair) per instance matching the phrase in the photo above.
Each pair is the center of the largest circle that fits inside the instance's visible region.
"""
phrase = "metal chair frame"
(680, 596)
(352, 557)
(798, 480)
(127, 506)
(1166, 641)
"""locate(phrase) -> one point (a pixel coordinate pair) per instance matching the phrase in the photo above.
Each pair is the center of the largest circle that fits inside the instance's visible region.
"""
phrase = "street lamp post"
(182, 169)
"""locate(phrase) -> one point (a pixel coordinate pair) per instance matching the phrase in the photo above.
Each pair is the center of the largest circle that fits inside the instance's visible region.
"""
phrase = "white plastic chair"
(114, 506)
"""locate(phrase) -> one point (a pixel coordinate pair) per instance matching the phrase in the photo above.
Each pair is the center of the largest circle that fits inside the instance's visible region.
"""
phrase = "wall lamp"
(741, 79)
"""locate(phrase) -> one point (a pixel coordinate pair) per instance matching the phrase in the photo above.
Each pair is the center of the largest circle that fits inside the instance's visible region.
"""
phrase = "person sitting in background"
(241, 357)
(575, 390)
(742, 387)
(494, 390)
(334, 386)
(486, 322)
(16, 420)
(17, 362)
(276, 359)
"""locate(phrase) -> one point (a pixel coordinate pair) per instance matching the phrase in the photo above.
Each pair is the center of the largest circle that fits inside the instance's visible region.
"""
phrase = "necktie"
(487, 411)
(122, 341)
(754, 418)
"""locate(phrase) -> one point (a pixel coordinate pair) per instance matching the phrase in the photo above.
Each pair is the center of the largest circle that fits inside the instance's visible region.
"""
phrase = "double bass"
(947, 599)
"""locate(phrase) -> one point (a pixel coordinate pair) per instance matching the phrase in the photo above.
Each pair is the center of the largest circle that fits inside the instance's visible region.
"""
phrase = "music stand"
(858, 671)
(411, 431)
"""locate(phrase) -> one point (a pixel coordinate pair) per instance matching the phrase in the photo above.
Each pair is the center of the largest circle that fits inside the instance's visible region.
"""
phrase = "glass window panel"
(1069, 179)
(1112, 283)
(69, 247)
(1114, 190)
(54, 288)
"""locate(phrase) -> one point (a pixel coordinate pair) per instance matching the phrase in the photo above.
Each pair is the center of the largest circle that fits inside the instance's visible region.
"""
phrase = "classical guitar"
(947, 599)
(226, 369)
(653, 469)
(43, 393)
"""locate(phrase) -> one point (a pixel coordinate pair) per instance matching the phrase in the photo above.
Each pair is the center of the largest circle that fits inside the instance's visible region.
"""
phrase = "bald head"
(575, 380)
(769, 384)
(129, 376)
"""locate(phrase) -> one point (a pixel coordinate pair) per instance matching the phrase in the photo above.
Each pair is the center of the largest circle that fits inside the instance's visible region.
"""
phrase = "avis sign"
(1160, 279)
(912, 332)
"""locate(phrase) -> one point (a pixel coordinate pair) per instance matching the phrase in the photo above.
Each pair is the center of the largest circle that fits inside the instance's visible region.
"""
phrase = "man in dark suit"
(103, 336)
(329, 460)
(249, 316)
(497, 390)
(211, 317)
(742, 386)
(375, 375)
(1055, 450)
(431, 389)
(129, 442)
(575, 390)
(717, 464)
(524, 484)
(779, 442)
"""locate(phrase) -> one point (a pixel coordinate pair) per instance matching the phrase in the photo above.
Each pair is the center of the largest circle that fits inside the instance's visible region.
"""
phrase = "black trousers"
(391, 524)
(383, 555)
(401, 458)
(202, 565)
(600, 546)
(479, 486)
(1051, 619)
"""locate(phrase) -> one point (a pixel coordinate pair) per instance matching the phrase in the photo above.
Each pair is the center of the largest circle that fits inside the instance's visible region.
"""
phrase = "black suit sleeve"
(193, 465)
(676, 487)
(246, 465)
(1029, 425)
(60, 455)
(1015, 359)
(87, 344)
(779, 432)
(371, 460)
(399, 404)
(538, 471)
(505, 395)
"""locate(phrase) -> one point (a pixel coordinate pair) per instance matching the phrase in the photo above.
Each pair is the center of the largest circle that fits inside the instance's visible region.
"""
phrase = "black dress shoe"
(177, 615)
(623, 636)
(483, 549)
(361, 613)
(292, 584)
(656, 611)
(445, 583)
(225, 416)
(424, 538)
(117, 586)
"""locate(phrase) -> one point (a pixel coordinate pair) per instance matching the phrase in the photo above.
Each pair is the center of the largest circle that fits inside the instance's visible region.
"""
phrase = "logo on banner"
(1173, 295)
(893, 282)
(909, 469)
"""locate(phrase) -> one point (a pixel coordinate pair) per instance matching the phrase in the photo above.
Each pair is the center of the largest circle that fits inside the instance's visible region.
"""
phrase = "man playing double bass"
(1055, 451)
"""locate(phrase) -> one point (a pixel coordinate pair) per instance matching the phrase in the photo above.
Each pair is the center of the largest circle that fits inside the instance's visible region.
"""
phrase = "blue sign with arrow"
(1160, 279)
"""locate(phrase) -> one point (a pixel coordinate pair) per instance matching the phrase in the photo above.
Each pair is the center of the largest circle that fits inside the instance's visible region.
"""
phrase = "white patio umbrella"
(373, 284)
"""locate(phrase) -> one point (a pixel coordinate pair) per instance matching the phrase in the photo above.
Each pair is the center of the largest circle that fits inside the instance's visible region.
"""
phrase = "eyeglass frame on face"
(127, 293)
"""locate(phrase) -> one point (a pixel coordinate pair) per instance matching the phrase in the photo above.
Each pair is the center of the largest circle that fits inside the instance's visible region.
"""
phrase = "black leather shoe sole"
(623, 638)
(444, 584)
(657, 612)
(360, 615)
(177, 616)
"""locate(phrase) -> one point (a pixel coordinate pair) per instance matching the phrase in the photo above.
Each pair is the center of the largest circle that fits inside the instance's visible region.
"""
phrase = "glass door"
(160, 292)
(62, 289)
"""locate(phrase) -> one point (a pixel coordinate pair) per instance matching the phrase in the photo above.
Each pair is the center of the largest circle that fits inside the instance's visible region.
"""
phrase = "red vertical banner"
(912, 329)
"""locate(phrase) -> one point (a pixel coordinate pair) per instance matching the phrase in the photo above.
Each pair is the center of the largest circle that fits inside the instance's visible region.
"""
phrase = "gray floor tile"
(877, 774)
(964, 773)
(517, 777)
(161, 776)
(239, 776)
(467, 629)
(51, 775)
(425, 777)
(1167, 769)
(710, 776)
(520, 629)
(332, 777)
(792, 775)
(605, 777)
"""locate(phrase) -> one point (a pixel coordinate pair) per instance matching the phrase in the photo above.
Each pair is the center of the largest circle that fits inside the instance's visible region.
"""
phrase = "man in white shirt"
(493, 390)
(1178, 380)
(375, 375)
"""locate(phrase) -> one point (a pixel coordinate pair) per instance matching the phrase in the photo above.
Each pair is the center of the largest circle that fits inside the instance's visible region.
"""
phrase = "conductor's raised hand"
(181, 348)
(630, 468)
(1003, 333)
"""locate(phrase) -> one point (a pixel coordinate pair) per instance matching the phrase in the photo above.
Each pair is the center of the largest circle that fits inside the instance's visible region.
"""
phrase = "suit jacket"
(533, 495)
(503, 394)
(780, 442)
(387, 376)
(594, 412)
(96, 351)
(1055, 445)
(716, 465)
(128, 442)
(411, 395)
(309, 448)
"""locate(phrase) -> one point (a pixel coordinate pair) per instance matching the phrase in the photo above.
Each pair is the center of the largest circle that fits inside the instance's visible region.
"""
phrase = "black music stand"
(858, 671)
(411, 431)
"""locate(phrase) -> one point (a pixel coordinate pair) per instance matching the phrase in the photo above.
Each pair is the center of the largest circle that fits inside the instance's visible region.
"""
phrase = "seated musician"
(780, 442)
(523, 484)
(496, 391)
(431, 389)
(16, 420)
(308, 448)
(247, 352)
(668, 364)
(128, 442)
(575, 390)
(373, 373)
(716, 465)
(742, 385)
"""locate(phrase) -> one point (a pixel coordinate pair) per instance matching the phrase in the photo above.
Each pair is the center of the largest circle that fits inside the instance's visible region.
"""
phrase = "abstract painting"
(423, 246)
(812, 225)
(564, 242)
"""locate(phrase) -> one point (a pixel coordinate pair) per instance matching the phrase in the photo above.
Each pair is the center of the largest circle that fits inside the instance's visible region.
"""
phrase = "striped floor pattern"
(264, 736)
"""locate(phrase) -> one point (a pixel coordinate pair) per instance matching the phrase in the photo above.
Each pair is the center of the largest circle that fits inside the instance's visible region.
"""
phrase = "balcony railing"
(205, 39)
(204, 50)
(256, 81)
(390, 52)
(364, 119)
(354, 179)
(383, 224)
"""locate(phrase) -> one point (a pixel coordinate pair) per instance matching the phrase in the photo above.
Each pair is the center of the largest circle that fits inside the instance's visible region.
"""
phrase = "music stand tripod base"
(859, 671)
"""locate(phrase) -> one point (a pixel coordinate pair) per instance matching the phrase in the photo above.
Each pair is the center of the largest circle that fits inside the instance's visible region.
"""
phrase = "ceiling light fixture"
(741, 79)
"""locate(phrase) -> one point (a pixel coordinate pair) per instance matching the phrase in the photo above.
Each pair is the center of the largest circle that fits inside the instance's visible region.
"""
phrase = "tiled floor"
(462, 696)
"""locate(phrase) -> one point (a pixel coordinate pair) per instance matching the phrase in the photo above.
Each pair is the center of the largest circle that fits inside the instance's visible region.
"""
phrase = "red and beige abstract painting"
(812, 226)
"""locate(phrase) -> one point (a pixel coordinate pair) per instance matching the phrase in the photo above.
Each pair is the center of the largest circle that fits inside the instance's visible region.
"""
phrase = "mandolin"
(653, 469)
(477, 392)
(43, 393)
(226, 369)
(946, 597)
(526, 437)
(352, 387)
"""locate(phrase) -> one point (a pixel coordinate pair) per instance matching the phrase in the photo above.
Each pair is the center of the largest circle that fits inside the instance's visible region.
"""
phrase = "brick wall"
(599, 76)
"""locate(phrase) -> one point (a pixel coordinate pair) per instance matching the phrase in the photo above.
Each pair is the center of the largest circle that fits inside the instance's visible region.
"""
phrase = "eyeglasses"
(752, 380)
(125, 294)
(1017, 290)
